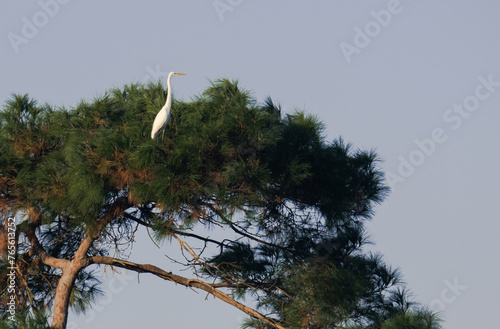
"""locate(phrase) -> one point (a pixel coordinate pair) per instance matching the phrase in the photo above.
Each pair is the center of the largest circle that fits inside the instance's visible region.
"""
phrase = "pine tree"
(82, 179)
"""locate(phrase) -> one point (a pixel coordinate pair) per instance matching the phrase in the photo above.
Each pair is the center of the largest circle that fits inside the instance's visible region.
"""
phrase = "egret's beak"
(181, 73)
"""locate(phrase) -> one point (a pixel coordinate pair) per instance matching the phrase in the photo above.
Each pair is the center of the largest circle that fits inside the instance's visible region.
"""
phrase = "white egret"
(162, 117)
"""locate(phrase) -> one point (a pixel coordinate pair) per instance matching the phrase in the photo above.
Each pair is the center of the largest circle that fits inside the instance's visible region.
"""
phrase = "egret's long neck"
(169, 92)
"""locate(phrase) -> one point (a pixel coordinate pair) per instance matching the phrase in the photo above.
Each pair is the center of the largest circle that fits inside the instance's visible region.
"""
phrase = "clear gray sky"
(417, 80)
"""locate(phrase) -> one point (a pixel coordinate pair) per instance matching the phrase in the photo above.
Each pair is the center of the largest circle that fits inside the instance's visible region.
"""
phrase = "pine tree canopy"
(82, 179)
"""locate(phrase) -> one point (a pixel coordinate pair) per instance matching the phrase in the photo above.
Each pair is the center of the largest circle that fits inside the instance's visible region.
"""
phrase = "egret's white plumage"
(162, 117)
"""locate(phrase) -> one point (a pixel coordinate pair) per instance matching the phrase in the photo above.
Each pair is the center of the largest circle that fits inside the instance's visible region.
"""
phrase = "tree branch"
(137, 220)
(38, 250)
(244, 233)
(117, 208)
(210, 288)
(191, 235)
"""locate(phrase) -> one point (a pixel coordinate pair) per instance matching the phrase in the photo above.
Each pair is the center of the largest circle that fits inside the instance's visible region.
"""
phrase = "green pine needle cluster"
(297, 201)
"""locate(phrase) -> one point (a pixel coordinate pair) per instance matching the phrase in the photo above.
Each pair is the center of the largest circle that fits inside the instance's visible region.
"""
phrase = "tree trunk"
(63, 294)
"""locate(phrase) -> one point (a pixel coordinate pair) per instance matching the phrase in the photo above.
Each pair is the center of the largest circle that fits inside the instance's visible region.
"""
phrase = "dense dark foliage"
(296, 201)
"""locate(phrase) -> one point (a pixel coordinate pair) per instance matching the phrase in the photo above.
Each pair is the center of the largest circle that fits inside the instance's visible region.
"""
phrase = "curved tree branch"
(38, 250)
(210, 288)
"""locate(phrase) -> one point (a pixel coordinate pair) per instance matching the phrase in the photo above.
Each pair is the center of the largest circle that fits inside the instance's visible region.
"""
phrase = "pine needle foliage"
(297, 201)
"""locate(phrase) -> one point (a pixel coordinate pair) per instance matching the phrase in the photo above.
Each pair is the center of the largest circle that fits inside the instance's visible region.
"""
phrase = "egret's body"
(162, 117)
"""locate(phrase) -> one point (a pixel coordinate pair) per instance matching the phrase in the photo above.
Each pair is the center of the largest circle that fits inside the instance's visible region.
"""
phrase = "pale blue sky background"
(439, 225)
